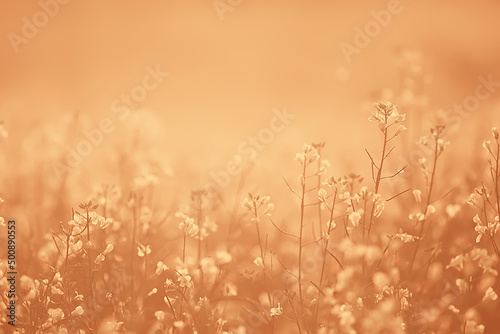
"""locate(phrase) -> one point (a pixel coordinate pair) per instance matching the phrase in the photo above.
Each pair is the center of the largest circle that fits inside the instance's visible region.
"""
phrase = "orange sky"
(226, 76)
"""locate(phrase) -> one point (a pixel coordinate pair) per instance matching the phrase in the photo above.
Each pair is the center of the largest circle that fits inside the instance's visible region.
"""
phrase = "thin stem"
(429, 193)
(302, 199)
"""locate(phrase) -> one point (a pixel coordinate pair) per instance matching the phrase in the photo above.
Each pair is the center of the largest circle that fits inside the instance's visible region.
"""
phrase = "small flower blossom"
(222, 257)
(472, 199)
(109, 249)
(188, 227)
(78, 311)
(258, 262)
(100, 258)
(405, 237)
(160, 315)
(490, 295)
(276, 311)
(400, 129)
(184, 278)
(417, 194)
(161, 267)
(308, 155)
(143, 250)
(254, 203)
(355, 217)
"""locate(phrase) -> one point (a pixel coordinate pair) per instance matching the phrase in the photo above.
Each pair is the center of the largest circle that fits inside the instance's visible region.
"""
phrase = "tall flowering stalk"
(421, 218)
(387, 117)
(487, 224)
(253, 204)
(308, 156)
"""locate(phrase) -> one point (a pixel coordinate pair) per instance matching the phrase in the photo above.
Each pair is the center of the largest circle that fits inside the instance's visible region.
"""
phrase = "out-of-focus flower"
(143, 250)
(405, 237)
(276, 311)
(160, 267)
(188, 226)
(308, 155)
(179, 324)
(489, 295)
(417, 194)
(184, 278)
(258, 262)
(78, 311)
(160, 315)
(355, 217)
(222, 257)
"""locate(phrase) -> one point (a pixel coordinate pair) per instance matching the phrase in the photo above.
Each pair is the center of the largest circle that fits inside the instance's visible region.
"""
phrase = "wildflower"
(78, 297)
(419, 216)
(160, 315)
(254, 203)
(417, 194)
(355, 217)
(160, 267)
(55, 314)
(143, 250)
(487, 146)
(489, 230)
(184, 278)
(308, 155)
(490, 295)
(359, 303)
(400, 129)
(430, 210)
(179, 324)
(379, 205)
(454, 309)
(422, 162)
(276, 311)
(188, 226)
(56, 291)
(100, 258)
(472, 199)
(494, 132)
(405, 237)
(452, 210)
(405, 295)
(78, 311)
(222, 257)
(258, 262)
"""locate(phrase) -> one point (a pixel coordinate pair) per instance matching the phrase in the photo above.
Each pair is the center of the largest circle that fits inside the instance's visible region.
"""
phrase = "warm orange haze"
(236, 166)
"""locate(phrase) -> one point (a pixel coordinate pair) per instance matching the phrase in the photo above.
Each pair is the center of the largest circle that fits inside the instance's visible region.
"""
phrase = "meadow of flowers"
(400, 250)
